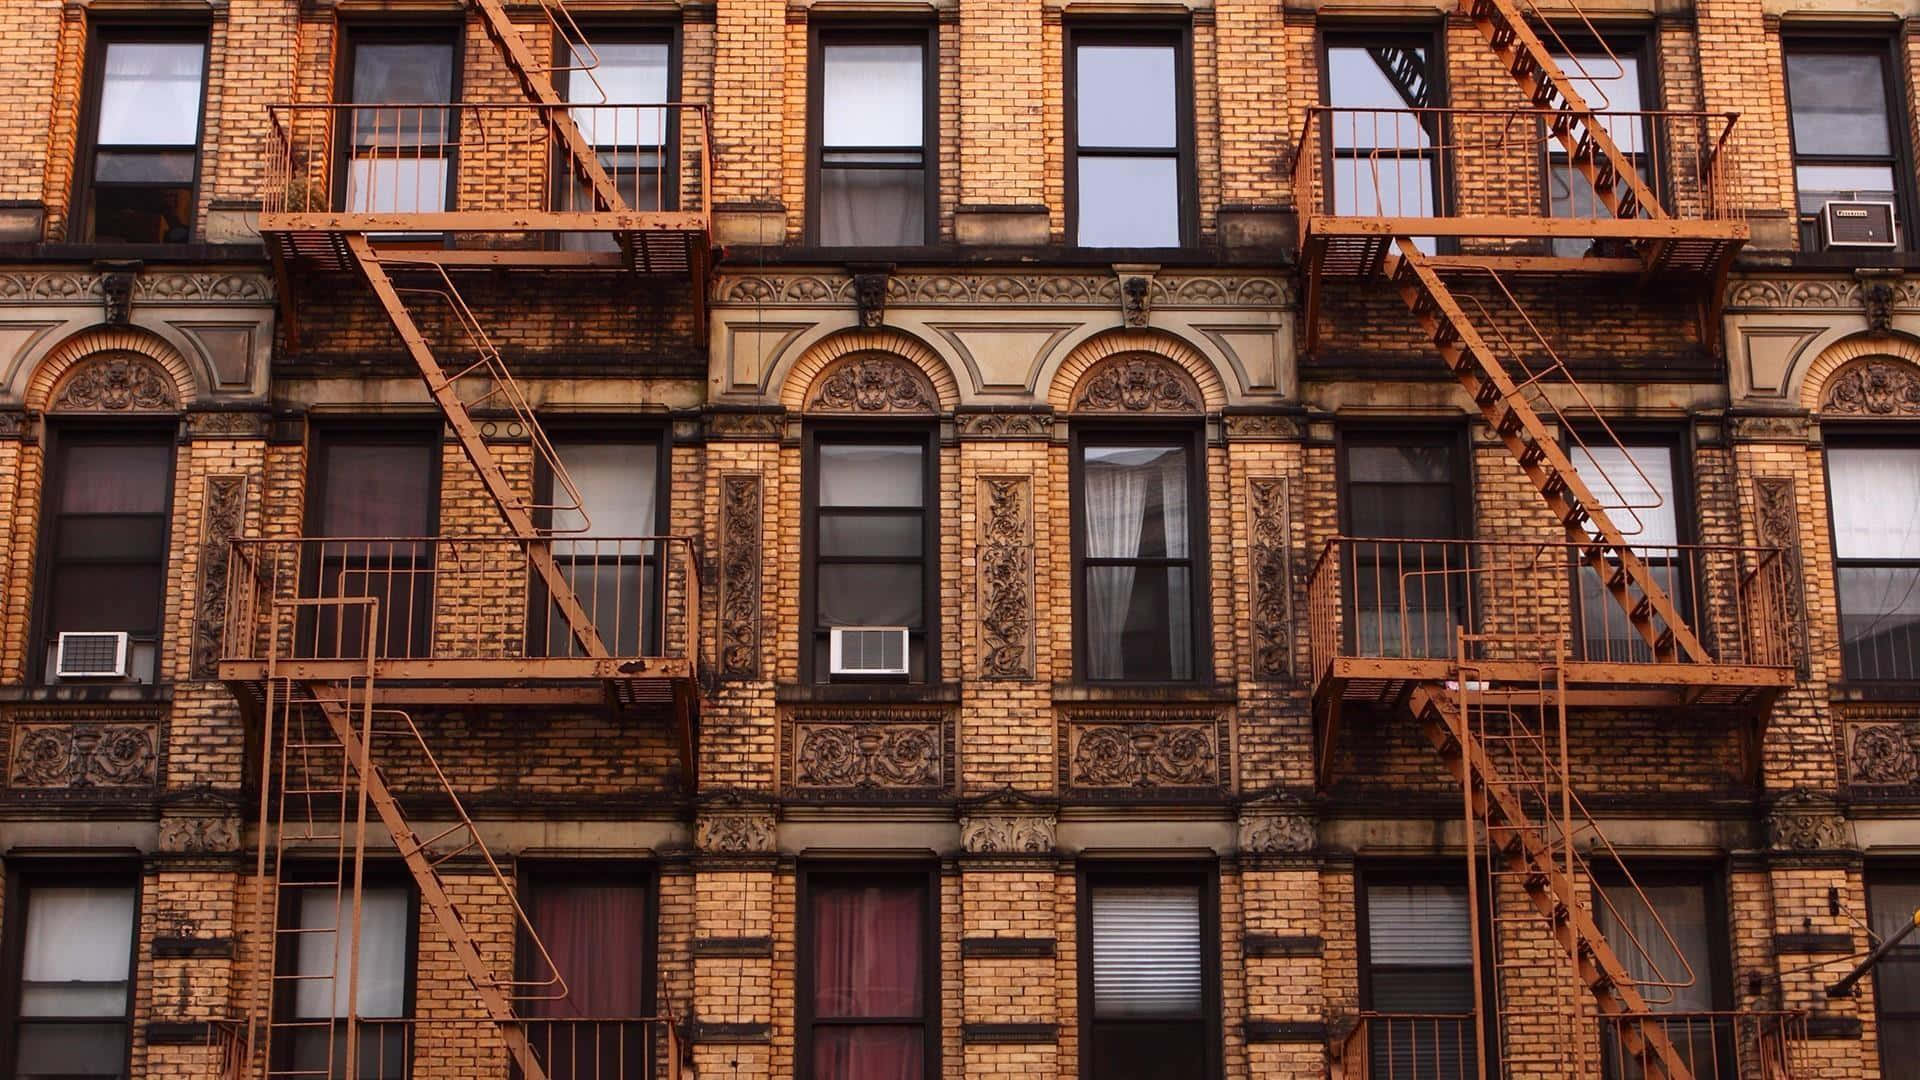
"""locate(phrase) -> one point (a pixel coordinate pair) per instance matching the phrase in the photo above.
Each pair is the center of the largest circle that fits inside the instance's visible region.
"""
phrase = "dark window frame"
(1865, 436)
(1451, 433)
(1714, 882)
(923, 872)
(1364, 33)
(1192, 437)
(812, 633)
(81, 218)
(418, 433)
(1638, 46)
(1177, 33)
(22, 877)
(562, 432)
(631, 32)
(1092, 873)
(823, 31)
(286, 957)
(1427, 871)
(96, 432)
(358, 32)
(1900, 872)
(1885, 46)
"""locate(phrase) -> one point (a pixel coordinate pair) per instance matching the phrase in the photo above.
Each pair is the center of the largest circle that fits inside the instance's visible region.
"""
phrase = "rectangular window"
(105, 537)
(1892, 900)
(400, 151)
(1405, 494)
(1131, 138)
(1153, 977)
(324, 989)
(1418, 976)
(595, 924)
(143, 141)
(615, 573)
(73, 1000)
(632, 142)
(1846, 145)
(1668, 936)
(1141, 508)
(874, 132)
(1383, 136)
(872, 542)
(1635, 484)
(868, 977)
(1875, 495)
(1610, 81)
(378, 492)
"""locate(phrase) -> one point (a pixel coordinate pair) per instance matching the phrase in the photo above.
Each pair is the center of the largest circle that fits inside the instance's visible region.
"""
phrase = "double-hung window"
(595, 928)
(109, 495)
(868, 977)
(1609, 81)
(1152, 951)
(1635, 485)
(1141, 511)
(323, 987)
(1846, 142)
(873, 118)
(1418, 976)
(374, 497)
(1405, 496)
(1668, 932)
(1131, 136)
(143, 145)
(632, 136)
(871, 536)
(74, 944)
(1874, 490)
(400, 148)
(1384, 130)
(1892, 900)
(603, 546)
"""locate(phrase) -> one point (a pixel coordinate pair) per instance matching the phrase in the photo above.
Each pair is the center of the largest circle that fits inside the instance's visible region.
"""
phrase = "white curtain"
(79, 943)
(382, 954)
(150, 94)
(1876, 502)
(617, 485)
(1635, 488)
(1634, 929)
(1116, 511)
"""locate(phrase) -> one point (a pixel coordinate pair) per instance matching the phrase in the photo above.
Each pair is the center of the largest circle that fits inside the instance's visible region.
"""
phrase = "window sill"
(879, 693)
(89, 694)
(1184, 693)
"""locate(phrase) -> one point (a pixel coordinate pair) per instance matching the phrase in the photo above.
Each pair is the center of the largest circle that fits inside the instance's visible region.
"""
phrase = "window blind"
(1146, 952)
(1418, 926)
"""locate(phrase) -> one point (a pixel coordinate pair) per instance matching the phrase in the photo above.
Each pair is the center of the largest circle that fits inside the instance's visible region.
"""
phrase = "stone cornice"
(807, 289)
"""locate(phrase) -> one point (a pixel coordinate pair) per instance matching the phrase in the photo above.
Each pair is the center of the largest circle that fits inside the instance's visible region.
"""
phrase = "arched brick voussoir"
(49, 387)
(799, 384)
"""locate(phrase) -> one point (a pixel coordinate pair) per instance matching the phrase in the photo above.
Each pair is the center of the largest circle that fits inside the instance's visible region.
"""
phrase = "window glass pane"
(870, 474)
(1635, 487)
(1146, 951)
(1129, 202)
(871, 535)
(868, 1052)
(1897, 978)
(1126, 96)
(1661, 936)
(1880, 621)
(385, 937)
(1377, 77)
(872, 95)
(143, 166)
(1607, 84)
(394, 73)
(1383, 186)
(869, 948)
(115, 478)
(1875, 493)
(95, 597)
(596, 936)
(628, 73)
(72, 1051)
(377, 489)
(1408, 464)
(1839, 103)
(1136, 502)
(617, 482)
(1821, 184)
(79, 537)
(79, 945)
(150, 94)
(887, 594)
(396, 185)
(1418, 926)
(142, 215)
(1139, 622)
(873, 207)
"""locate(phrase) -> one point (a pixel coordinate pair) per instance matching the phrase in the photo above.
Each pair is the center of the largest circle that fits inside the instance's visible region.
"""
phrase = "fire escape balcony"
(492, 184)
(1732, 1045)
(453, 620)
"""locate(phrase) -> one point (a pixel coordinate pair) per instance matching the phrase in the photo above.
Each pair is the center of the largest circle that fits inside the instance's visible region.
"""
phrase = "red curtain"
(596, 935)
(869, 945)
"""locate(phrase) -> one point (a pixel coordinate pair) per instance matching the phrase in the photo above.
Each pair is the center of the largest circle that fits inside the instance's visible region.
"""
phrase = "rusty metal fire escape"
(1512, 770)
(325, 637)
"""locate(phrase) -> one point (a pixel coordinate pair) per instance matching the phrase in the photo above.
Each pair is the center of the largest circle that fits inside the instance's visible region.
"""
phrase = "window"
(1845, 142)
(1383, 135)
(1417, 972)
(1875, 496)
(1635, 485)
(1132, 138)
(632, 144)
(596, 925)
(1668, 935)
(1892, 899)
(1610, 81)
(869, 977)
(615, 576)
(143, 136)
(74, 956)
(872, 540)
(873, 110)
(381, 490)
(1152, 975)
(109, 495)
(311, 1033)
(1141, 509)
(400, 155)
(1405, 493)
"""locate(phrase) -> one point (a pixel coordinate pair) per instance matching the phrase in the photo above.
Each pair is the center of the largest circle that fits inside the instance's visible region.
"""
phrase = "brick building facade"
(1030, 328)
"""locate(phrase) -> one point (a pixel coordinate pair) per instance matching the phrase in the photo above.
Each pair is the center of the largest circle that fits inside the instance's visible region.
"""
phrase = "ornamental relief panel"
(872, 383)
(1006, 597)
(1874, 387)
(82, 758)
(740, 556)
(1269, 525)
(1136, 384)
(1143, 752)
(1883, 753)
(222, 520)
(869, 752)
(1777, 522)
(122, 382)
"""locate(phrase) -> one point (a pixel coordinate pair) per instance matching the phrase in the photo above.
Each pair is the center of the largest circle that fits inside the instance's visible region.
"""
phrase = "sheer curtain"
(381, 954)
(78, 944)
(1116, 494)
(867, 943)
(1663, 940)
(1875, 492)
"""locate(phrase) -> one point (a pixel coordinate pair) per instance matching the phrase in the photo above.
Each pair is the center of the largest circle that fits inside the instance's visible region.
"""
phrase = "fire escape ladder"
(1527, 846)
(1624, 574)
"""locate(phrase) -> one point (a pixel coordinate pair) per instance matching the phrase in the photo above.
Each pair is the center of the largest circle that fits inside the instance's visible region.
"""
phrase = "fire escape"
(329, 641)
(1488, 645)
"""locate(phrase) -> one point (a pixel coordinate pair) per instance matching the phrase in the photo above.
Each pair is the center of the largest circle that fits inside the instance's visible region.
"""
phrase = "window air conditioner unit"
(92, 655)
(869, 650)
(1858, 224)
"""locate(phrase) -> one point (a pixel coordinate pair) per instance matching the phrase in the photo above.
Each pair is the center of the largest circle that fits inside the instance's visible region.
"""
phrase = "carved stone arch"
(1868, 376)
(1157, 370)
(112, 370)
(870, 371)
